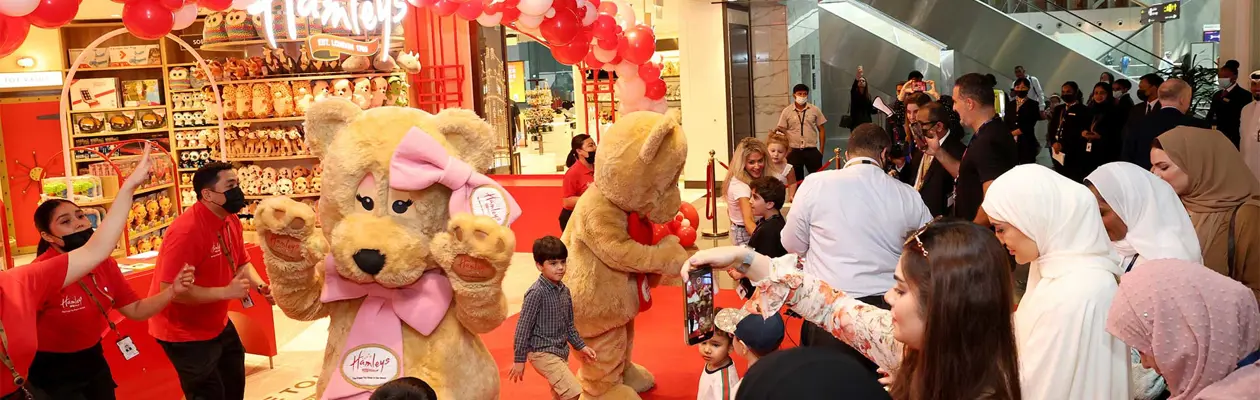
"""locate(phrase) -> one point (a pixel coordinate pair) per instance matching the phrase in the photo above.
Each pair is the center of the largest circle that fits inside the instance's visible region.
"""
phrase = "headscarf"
(1198, 325)
(1060, 215)
(1219, 179)
(1159, 226)
(810, 373)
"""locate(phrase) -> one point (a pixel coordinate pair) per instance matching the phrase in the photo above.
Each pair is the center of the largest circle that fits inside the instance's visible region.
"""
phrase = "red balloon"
(687, 236)
(607, 44)
(214, 5)
(616, 60)
(510, 14)
(654, 88)
(172, 4)
(13, 32)
(689, 211)
(659, 232)
(675, 223)
(592, 62)
(52, 14)
(649, 71)
(149, 20)
(561, 29)
(638, 44)
(608, 8)
(571, 53)
(470, 10)
(564, 5)
(443, 8)
(604, 28)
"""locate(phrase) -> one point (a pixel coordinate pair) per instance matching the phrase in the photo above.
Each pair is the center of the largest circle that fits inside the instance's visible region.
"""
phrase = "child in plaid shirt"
(545, 329)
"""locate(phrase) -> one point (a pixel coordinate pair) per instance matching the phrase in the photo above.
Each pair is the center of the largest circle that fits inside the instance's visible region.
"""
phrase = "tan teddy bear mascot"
(636, 174)
(414, 245)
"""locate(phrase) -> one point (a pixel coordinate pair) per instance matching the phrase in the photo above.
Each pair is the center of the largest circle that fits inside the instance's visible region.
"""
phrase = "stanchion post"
(710, 201)
(837, 159)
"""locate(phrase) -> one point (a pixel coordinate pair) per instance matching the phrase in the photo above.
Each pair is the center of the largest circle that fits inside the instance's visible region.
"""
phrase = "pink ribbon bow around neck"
(373, 352)
(420, 161)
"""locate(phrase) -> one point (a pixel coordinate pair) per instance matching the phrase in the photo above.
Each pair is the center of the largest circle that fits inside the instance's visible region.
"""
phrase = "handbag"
(846, 121)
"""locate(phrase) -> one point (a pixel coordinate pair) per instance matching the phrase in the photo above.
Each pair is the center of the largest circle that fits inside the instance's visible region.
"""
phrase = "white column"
(702, 61)
(1240, 38)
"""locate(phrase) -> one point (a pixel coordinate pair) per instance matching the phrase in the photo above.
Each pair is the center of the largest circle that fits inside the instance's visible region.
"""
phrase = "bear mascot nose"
(370, 261)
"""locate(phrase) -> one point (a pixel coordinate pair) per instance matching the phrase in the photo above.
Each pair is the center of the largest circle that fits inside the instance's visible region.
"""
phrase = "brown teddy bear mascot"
(414, 245)
(610, 274)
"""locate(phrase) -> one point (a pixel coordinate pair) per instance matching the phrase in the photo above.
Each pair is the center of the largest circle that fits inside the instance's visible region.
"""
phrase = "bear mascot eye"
(367, 202)
(401, 206)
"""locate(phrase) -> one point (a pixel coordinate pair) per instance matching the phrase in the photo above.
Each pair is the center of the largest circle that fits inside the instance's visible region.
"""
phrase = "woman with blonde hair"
(777, 148)
(747, 163)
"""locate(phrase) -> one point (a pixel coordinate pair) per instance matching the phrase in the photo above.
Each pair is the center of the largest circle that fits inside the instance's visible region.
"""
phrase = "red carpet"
(659, 346)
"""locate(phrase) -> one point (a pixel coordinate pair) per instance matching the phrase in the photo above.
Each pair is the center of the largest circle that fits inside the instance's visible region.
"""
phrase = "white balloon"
(239, 5)
(628, 71)
(551, 12)
(608, 67)
(534, 7)
(591, 13)
(625, 15)
(185, 16)
(529, 21)
(18, 8)
(490, 20)
(630, 89)
(603, 55)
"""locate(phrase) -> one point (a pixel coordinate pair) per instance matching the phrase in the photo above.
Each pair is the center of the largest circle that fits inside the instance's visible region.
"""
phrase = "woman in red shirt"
(581, 174)
(24, 289)
(70, 363)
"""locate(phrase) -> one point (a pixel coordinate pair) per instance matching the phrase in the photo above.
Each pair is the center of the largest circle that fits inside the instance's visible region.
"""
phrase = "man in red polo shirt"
(194, 330)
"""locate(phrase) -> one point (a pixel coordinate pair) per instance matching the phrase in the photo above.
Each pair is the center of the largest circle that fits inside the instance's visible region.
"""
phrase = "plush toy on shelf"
(384, 63)
(164, 202)
(261, 106)
(356, 64)
(304, 63)
(341, 88)
(284, 187)
(141, 215)
(284, 173)
(155, 211)
(282, 98)
(397, 95)
(300, 185)
(302, 97)
(212, 30)
(187, 197)
(301, 172)
(294, 138)
(178, 78)
(409, 62)
(244, 102)
(315, 184)
(379, 87)
(229, 102)
(255, 67)
(239, 26)
(362, 96)
(234, 69)
(321, 90)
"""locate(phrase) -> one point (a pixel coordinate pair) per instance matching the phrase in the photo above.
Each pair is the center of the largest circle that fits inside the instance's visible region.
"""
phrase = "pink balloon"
(534, 7)
(184, 17)
(241, 4)
(148, 19)
(530, 21)
(627, 71)
(589, 13)
(13, 32)
(608, 8)
(53, 13)
(18, 8)
(630, 87)
(604, 56)
(561, 29)
(470, 10)
(592, 62)
(490, 20)
(510, 14)
(638, 44)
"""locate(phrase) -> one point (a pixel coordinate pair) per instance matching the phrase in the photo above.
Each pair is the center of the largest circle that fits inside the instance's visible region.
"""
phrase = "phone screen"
(698, 290)
(920, 86)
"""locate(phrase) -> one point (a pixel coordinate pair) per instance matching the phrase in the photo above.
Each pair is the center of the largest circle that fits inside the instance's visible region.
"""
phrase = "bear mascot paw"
(409, 257)
(610, 274)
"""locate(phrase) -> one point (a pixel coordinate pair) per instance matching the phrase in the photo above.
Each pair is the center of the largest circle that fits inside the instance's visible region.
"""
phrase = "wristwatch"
(747, 261)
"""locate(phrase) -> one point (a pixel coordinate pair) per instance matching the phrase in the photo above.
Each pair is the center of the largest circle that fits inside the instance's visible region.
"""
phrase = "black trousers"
(815, 336)
(81, 375)
(564, 218)
(210, 369)
(804, 161)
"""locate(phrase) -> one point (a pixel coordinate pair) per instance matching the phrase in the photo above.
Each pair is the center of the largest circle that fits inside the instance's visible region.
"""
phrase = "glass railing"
(1086, 37)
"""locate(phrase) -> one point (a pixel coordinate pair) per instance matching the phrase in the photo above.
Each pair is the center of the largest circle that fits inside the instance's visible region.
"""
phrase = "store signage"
(1212, 33)
(361, 17)
(13, 80)
(330, 48)
(1161, 12)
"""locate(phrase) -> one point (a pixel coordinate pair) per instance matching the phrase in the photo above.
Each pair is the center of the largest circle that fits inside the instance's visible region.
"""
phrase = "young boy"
(545, 329)
(767, 199)
(755, 336)
(719, 378)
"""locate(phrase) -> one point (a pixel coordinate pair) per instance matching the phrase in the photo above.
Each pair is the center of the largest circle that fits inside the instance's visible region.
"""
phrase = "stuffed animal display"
(429, 260)
(250, 142)
(279, 63)
(147, 212)
(293, 98)
(259, 181)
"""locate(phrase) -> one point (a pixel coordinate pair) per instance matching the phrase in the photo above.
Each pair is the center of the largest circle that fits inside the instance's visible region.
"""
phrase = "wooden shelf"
(188, 64)
(197, 128)
(283, 158)
(95, 110)
(187, 169)
(295, 196)
(192, 148)
(153, 66)
(261, 120)
(396, 42)
(153, 189)
(103, 134)
(315, 77)
(188, 109)
(134, 235)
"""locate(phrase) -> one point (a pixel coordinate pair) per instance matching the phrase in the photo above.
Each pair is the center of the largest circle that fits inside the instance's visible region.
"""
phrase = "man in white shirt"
(851, 224)
(1034, 90)
(1249, 143)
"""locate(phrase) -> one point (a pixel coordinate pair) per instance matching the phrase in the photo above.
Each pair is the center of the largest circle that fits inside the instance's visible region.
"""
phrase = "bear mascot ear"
(658, 135)
(468, 135)
(324, 119)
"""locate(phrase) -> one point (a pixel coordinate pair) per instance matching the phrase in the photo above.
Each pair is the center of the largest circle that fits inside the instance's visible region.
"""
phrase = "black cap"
(762, 335)
(808, 373)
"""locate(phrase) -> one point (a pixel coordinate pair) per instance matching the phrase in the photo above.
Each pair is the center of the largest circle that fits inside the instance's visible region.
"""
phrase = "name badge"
(127, 347)
(1089, 146)
(247, 302)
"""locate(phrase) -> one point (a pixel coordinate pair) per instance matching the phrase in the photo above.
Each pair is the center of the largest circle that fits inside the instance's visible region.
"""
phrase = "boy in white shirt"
(718, 380)
(755, 336)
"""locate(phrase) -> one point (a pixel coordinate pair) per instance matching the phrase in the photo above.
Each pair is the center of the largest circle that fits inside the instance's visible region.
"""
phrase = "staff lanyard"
(802, 112)
(18, 380)
(1131, 262)
(99, 306)
(246, 302)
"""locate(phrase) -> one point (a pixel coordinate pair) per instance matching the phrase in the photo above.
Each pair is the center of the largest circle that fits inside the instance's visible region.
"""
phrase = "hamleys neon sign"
(360, 17)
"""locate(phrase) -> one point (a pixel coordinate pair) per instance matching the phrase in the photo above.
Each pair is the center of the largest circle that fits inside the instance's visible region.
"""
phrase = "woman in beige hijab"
(1220, 193)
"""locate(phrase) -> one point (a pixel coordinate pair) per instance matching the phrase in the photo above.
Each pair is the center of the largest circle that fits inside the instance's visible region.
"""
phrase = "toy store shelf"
(298, 157)
(98, 202)
(319, 77)
(195, 128)
(186, 91)
(188, 169)
(126, 67)
(190, 64)
(396, 42)
(134, 234)
(92, 110)
(291, 196)
(262, 120)
(98, 159)
(192, 148)
(188, 110)
(154, 188)
(135, 132)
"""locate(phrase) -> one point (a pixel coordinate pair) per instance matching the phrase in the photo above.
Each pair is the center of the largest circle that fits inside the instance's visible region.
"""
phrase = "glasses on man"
(923, 128)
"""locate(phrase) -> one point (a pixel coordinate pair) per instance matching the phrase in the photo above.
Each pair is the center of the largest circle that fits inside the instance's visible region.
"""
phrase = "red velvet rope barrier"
(710, 204)
(828, 164)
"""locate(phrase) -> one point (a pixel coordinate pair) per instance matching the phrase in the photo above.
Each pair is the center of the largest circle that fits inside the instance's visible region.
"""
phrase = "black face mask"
(233, 200)
(75, 240)
(1141, 95)
(590, 157)
(1021, 93)
(1069, 97)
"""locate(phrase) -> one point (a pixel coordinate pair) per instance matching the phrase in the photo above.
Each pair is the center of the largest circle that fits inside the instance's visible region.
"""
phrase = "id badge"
(247, 302)
(127, 348)
(1089, 146)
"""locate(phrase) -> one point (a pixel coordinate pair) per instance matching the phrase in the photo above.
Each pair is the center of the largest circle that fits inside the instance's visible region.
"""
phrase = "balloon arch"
(600, 34)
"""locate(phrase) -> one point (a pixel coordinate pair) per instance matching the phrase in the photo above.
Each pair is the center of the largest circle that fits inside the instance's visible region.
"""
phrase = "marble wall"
(772, 81)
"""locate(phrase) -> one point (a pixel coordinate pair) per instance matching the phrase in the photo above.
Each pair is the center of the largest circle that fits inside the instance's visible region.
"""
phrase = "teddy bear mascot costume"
(414, 245)
(610, 273)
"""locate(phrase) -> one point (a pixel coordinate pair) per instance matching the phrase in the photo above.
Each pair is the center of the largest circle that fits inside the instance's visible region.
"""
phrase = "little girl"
(777, 148)
(748, 163)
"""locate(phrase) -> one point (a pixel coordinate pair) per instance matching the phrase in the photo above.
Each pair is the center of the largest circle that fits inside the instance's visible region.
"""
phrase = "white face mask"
(1117, 93)
(1224, 83)
(800, 100)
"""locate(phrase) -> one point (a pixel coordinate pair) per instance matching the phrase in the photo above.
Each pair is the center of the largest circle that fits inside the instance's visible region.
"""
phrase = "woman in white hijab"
(1144, 218)
(1051, 222)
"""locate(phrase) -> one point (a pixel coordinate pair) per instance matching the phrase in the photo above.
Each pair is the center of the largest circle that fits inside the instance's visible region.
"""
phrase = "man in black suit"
(1120, 89)
(1174, 99)
(934, 182)
(1148, 96)
(1227, 104)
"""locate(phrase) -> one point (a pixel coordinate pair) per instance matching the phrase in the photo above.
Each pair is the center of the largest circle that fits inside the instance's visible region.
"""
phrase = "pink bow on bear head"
(420, 161)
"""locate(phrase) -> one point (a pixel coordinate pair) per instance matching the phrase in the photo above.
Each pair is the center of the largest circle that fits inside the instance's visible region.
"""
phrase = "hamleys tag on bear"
(490, 201)
(369, 366)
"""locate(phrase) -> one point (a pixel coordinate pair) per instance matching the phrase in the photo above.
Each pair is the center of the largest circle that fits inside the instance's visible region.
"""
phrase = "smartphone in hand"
(698, 307)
